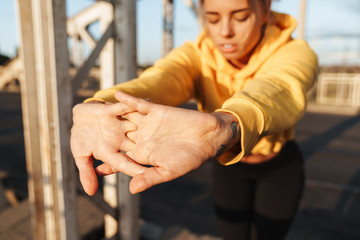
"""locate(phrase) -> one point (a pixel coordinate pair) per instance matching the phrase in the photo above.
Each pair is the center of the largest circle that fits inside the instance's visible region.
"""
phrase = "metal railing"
(341, 89)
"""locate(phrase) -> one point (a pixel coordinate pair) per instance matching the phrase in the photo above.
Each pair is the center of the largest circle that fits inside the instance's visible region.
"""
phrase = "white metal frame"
(346, 89)
(47, 101)
(47, 119)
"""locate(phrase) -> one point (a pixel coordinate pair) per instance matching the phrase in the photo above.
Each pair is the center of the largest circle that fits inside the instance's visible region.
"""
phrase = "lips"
(228, 48)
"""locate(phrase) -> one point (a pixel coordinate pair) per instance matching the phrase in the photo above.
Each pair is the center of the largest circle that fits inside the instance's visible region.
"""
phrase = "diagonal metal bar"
(90, 62)
(99, 201)
(104, 206)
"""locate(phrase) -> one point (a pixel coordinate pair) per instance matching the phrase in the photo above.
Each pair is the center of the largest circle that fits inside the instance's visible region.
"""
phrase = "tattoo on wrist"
(222, 149)
(234, 128)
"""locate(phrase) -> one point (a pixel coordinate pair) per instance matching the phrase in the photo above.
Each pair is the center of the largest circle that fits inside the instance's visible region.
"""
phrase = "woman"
(250, 79)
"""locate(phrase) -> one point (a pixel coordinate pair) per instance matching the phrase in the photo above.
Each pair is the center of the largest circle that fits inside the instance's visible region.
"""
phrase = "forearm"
(170, 81)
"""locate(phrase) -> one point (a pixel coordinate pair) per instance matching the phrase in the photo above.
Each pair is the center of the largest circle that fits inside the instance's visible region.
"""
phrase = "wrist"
(229, 131)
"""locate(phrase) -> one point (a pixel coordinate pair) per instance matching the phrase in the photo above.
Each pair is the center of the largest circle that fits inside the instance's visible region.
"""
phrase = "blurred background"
(329, 133)
(332, 27)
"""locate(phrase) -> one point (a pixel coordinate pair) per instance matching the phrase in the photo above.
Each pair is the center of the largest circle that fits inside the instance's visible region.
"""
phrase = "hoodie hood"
(277, 32)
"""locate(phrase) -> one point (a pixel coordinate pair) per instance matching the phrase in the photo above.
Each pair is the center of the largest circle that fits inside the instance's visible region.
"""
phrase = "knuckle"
(122, 165)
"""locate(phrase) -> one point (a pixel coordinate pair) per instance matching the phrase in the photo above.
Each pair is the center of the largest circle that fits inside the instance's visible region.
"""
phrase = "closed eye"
(212, 17)
(241, 16)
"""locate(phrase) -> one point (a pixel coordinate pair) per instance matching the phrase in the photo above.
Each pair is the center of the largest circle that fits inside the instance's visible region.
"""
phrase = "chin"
(232, 56)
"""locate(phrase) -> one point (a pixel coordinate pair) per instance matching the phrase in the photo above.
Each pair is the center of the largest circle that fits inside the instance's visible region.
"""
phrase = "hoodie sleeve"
(275, 99)
(169, 81)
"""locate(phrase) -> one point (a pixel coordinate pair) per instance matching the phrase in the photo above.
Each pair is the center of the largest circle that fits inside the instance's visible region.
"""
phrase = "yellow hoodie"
(268, 95)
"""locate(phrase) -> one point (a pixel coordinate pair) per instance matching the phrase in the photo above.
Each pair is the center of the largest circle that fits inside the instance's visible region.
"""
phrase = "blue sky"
(332, 27)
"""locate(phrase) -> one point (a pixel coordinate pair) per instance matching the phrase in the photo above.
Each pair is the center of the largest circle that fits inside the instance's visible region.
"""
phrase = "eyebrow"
(235, 11)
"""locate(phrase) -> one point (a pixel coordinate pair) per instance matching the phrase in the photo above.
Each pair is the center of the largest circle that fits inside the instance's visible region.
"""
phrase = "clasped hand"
(150, 142)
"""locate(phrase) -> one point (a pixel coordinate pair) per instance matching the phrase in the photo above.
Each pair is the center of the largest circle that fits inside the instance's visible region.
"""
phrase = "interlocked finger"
(134, 117)
(132, 136)
(105, 169)
(123, 125)
(127, 144)
(119, 109)
(138, 104)
(122, 163)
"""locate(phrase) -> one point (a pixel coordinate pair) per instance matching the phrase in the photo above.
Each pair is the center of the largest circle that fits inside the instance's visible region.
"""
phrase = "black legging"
(259, 201)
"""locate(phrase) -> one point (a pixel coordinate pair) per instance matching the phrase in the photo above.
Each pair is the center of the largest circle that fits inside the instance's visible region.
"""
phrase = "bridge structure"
(49, 85)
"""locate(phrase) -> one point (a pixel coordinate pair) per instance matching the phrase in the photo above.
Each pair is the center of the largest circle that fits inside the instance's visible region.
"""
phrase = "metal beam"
(168, 22)
(90, 62)
(302, 20)
(47, 118)
(126, 69)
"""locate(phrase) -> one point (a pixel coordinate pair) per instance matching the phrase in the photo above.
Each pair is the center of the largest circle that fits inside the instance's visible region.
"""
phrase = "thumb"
(87, 176)
(149, 178)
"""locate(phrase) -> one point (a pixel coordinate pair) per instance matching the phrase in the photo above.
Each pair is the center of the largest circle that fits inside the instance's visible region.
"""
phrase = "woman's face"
(235, 27)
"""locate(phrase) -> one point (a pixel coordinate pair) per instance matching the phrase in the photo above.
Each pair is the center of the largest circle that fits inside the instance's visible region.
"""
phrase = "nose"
(226, 29)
